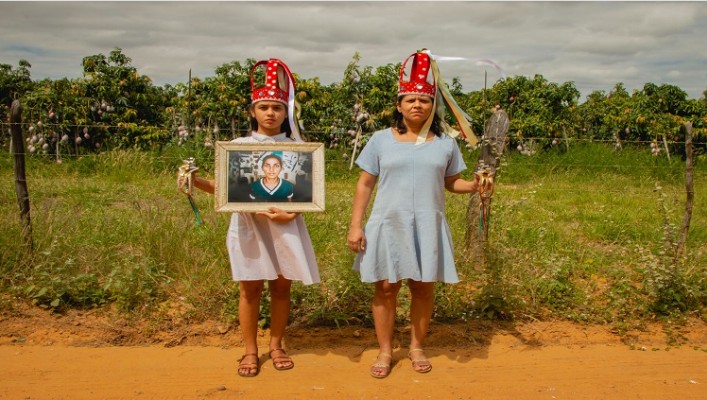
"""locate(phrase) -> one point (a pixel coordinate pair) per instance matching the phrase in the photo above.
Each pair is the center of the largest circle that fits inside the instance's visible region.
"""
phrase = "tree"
(540, 111)
(14, 83)
(118, 97)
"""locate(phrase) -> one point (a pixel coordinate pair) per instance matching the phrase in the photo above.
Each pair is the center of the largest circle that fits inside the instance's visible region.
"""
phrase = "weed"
(673, 286)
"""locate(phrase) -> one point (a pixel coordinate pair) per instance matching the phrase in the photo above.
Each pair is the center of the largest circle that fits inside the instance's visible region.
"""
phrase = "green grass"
(583, 235)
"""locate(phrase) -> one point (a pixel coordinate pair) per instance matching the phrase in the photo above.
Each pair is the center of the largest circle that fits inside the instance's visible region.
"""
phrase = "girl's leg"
(248, 310)
(385, 300)
(279, 316)
(421, 307)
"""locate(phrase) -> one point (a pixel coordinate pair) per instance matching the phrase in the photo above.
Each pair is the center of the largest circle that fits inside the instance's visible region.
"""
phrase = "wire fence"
(43, 142)
(558, 157)
(50, 129)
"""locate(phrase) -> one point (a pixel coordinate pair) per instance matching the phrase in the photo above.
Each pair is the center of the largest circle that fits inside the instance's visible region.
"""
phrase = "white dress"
(259, 248)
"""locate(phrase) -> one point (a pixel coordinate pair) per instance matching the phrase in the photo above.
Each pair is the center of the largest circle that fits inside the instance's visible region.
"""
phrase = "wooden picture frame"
(241, 184)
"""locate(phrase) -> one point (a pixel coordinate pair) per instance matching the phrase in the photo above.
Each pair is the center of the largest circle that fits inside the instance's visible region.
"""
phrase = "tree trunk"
(491, 149)
(18, 149)
(474, 237)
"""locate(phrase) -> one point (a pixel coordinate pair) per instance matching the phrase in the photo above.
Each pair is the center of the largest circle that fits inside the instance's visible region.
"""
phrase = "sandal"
(380, 369)
(248, 369)
(283, 362)
(420, 364)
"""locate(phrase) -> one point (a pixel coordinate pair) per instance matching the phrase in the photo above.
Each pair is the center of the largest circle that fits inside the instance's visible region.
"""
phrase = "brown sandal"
(420, 364)
(251, 369)
(283, 362)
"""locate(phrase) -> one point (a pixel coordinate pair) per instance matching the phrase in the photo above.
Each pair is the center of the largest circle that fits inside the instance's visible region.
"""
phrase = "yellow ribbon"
(461, 117)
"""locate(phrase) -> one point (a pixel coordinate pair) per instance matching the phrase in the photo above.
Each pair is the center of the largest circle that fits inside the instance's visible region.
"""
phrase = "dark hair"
(285, 127)
(272, 155)
(399, 123)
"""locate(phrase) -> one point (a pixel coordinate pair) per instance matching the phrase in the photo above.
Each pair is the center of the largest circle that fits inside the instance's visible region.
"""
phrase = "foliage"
(14, 83)
(112, 106)
(576, 235)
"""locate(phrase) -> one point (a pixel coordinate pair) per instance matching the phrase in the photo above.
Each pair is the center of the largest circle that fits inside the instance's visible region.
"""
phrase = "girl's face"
(270, 115)
(415, 109)
(271, 168)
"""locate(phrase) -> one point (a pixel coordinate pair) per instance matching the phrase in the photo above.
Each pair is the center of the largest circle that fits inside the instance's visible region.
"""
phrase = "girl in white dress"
(274, 245)
(407, 236)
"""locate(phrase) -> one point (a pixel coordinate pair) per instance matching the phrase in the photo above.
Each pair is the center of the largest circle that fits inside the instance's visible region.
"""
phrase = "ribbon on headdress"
(446, 99)
(491, 62)
(463, 119)
(293, 107)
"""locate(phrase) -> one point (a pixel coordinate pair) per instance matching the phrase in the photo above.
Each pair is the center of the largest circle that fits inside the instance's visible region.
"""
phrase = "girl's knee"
(280, 288)
(387, 290)
(421, 290)
(282, 294)
(250, 290)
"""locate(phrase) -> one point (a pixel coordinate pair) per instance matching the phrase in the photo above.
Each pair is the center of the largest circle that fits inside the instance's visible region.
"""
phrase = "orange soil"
(85, 356)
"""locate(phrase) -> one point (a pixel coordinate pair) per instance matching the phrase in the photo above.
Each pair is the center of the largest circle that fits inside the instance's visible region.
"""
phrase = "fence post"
(689, 189)
(18, 149)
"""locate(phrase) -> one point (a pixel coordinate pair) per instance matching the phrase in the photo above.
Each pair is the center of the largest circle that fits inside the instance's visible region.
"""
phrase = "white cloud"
(594, 44)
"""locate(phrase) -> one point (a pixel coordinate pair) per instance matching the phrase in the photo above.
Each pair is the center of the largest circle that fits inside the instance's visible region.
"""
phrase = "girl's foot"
(381, 368)
(282, 361)
(249, 365)
(420, 363)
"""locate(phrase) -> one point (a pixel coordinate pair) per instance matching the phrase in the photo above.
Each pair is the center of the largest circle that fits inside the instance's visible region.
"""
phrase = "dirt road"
(544, 360)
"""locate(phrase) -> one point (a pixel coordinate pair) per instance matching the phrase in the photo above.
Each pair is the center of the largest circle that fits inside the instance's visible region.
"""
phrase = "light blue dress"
(407, 234)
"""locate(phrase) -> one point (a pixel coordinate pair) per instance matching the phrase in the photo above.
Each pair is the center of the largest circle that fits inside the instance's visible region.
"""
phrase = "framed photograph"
(252, 177)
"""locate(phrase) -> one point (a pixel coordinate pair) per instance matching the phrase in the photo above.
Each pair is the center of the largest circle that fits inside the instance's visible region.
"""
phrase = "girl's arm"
(455, 184)
(364, 188)
(206, 185)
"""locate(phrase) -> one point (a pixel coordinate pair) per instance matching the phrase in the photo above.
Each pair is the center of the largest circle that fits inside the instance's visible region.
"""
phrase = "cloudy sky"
(593, 44)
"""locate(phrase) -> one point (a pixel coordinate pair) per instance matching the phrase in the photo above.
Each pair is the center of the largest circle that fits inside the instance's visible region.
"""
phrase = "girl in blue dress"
(406, 236)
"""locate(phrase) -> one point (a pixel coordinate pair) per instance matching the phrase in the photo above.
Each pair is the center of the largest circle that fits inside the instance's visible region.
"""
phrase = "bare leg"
(385, 300)
(421, 307)
(279, 316)
(248, 310)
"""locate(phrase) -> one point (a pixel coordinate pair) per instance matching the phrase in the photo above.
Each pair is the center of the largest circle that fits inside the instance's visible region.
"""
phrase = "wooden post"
(353, 153)
(18, 149)
(490, 151)
(665, 144)
(689, 190)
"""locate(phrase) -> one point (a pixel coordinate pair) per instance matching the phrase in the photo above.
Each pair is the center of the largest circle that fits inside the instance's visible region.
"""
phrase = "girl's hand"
(356, 240)
(484, 184)
(277, 215)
